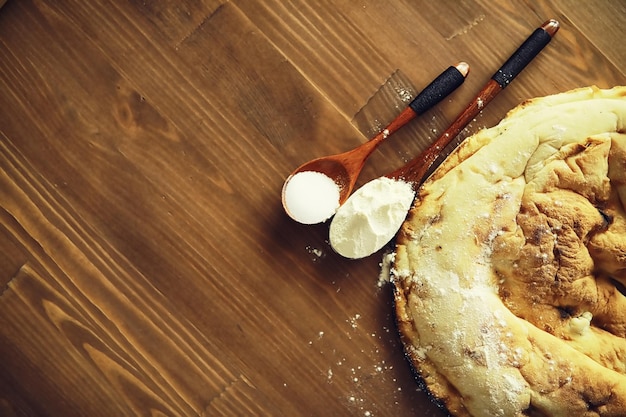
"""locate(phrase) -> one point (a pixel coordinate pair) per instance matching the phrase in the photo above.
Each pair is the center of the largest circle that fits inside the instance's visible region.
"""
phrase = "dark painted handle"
(442, 86)
(522, 57)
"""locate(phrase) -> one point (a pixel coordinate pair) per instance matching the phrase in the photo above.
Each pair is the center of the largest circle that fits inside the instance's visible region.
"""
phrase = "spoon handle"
(439, 88)
(415, 170)
(442, 86)
(525, 53)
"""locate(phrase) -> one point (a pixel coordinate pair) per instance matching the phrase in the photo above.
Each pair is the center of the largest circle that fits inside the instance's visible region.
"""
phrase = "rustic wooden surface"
(146, 265)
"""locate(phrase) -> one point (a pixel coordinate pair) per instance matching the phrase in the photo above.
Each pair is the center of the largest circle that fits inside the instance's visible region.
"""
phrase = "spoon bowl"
(343, 168)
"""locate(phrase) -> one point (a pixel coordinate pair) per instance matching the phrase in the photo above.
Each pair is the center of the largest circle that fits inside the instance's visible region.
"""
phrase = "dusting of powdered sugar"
(386, 266)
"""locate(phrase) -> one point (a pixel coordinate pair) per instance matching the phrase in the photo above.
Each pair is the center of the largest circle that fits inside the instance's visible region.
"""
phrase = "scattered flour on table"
(358, 375)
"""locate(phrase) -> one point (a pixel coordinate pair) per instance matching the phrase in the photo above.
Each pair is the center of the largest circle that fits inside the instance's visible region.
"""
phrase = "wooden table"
(146, 264)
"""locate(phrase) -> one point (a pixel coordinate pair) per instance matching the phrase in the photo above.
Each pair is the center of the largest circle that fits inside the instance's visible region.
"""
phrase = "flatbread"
(509, 273)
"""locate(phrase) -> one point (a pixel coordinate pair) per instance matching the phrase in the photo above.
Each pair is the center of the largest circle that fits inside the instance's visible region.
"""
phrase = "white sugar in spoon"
(372, 216)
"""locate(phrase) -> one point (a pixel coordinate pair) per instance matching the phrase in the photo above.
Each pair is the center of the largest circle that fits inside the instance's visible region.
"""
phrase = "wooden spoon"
(344, 168)
(351, 232)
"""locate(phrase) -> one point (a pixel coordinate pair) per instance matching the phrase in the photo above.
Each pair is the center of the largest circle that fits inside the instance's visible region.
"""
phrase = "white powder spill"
(310, 197)
(385, 268)
(316, 254)
(355, 376)
(370, 218)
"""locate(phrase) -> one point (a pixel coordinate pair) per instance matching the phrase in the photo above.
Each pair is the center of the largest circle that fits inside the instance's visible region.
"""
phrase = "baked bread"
(509, 272)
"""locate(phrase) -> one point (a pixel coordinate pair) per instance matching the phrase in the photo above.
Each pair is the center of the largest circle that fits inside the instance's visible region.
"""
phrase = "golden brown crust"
(510, 297)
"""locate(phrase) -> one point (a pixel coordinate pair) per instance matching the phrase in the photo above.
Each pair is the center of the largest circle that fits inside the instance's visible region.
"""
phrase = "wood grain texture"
(146, 265)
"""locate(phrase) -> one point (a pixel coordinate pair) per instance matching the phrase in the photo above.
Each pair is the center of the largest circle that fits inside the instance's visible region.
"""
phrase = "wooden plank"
(146, 262)
(176, 20)
(602, 23)
(90, 288)
(324, 43)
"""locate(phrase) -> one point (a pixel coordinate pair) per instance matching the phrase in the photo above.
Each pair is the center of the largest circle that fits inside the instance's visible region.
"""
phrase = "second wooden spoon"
(373, 214)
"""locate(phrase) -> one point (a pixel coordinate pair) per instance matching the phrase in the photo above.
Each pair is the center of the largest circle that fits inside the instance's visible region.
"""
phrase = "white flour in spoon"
(311, 197)
(370, 217)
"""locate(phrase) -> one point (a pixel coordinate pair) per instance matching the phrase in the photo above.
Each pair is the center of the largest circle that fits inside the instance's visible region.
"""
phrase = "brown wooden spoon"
(344, 168)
